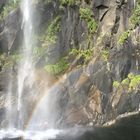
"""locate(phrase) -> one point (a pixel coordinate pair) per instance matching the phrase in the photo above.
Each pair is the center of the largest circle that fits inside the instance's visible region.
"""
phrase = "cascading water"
(25, 70)
(18, 113)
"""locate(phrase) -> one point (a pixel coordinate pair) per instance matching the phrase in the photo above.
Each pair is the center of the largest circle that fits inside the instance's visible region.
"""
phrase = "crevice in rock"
(102, 17)
(121, 2)
(88, 1)
(102, 7)
(117, 21)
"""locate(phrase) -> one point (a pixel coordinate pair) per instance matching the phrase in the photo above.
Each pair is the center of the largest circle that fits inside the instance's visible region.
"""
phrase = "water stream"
(18, 115)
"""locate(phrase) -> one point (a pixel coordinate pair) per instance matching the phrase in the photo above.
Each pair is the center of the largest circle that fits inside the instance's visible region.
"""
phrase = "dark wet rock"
(10, 33)
(2, 4)
(72, 29)
(12, 138)
(100, 3)
(124, 129)
(4, 78)
(80, 95)
(103, 80)
(73, 76)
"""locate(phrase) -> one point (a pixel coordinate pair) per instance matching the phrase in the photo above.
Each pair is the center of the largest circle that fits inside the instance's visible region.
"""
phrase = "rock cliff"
(94, 44)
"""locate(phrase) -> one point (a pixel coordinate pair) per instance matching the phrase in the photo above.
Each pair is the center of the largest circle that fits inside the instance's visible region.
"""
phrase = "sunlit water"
(16, 113)
(124, 129)
(49, 134)
(25, 71)
(29, 135)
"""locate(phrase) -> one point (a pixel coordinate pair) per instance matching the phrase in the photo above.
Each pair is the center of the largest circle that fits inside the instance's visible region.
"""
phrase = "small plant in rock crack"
(134, 19)
(132, 82)
(116, 84)
(105, 54)
(85, 54)
(124, 36)
(58, 67)
(87, 15)
(11, 5)
(50, 35)
(69, 2)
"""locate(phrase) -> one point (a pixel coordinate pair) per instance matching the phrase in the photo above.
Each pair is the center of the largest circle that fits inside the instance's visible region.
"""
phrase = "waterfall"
(9, 104)
(25, 70)
(17, 112)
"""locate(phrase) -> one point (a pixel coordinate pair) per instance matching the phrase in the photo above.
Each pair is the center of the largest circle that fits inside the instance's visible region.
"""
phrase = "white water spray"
(26, 67)
(20, 112)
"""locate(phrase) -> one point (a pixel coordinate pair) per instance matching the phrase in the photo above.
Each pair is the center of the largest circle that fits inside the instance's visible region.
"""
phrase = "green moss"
(2, 60)
(50, 35)
(131, 82)
(130, 76)
(116, 84)
(125, 81)
(47, 1)
(57, 68)
(69, 2)
(92, 26)
(17, 58)
(53, 29)
(124, 36)
(11, 5)
(87, 15)
(39, 51)
(105, 54)
(85, 54)
(8, 61)
(134, 81)
(134, 19)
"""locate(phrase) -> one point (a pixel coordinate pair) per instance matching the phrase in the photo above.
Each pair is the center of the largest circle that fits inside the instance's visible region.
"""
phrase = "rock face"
(10, 32)
(86, 94)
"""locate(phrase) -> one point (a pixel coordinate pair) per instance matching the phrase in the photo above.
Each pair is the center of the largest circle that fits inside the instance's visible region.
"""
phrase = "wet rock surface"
(124, 129)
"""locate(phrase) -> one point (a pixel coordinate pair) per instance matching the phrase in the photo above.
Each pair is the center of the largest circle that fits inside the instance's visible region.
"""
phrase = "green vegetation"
(132, 82)
(105, 54)
(47, 1)
(6, 61)
(16, 58)
(50, 35)
(69, 2)
(39, 51)
(64, 3)
(116, 84)
(85, 54)
(125, 81)
(53, 29)
(87, 15)
(57, 68)
(134, 19)
(2, 60)
(124, 36)
(11, 5)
